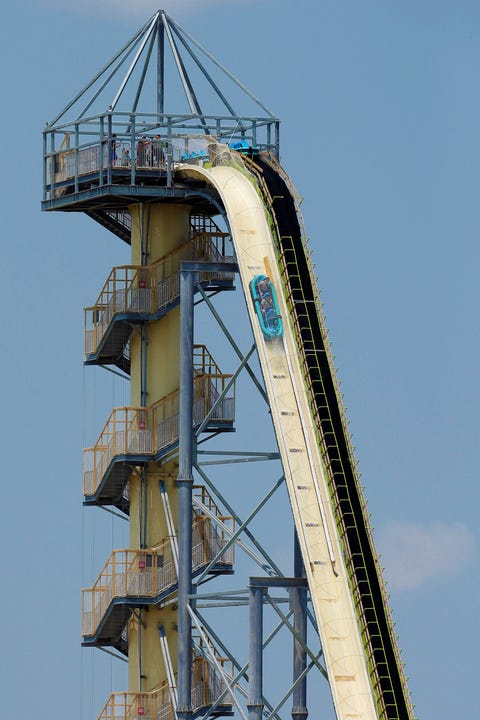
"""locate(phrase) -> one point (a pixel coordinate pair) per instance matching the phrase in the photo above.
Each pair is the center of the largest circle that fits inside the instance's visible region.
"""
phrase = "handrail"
(106, 148)
(207, 685)
(148, 573)
(134, 289)
(145, 431)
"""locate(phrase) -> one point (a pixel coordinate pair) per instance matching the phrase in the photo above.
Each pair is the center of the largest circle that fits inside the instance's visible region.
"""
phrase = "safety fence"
(107, 149)
(146, 431)
(149, 289)
(148, 574)
(157, 704)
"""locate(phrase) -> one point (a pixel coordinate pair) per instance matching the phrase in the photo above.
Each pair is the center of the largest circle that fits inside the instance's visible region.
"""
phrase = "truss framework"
(108, 133)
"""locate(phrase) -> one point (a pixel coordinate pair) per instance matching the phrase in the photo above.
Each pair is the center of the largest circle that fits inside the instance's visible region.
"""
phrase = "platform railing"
(151, 572)
(146, 431)
(126, 432)
(99, 151)
(127, 574)
(207, 685)
(204, 498)
(135, 289)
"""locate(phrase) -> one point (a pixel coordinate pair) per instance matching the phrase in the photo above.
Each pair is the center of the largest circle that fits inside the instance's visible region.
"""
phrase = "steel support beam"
(172, 688)
(160, 67)
(299, 607)
(202, 266)
(255, 654)
(170, 524)
(185, 484)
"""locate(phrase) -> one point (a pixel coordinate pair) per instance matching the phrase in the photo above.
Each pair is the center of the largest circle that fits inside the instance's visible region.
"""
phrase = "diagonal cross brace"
(236, 534)
(220, 669)
(292, 688)
(242, 671)
(274, 567)
(232, 342)
(224, 391)
(296, 635)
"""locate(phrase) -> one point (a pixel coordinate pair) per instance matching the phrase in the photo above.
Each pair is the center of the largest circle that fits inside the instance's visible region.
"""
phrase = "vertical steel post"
(169, 157)
(133, 151)
(53, 161)
(45, 163)
(160, 67)
(299, 607)
(184, 483)
(101, 145)
(77, 143)
(109, 148)
(255, 655)
(277, 139)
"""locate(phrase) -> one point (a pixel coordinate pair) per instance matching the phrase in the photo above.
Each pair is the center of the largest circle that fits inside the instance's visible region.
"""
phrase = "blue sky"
(380, 115)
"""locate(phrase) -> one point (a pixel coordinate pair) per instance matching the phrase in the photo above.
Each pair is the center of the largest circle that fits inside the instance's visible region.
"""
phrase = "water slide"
(366, 684)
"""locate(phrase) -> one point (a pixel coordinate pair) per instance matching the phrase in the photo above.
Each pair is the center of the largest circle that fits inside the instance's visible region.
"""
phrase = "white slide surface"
(305, 476)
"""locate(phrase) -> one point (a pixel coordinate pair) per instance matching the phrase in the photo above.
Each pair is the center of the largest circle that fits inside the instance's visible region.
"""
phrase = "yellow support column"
(157, 230)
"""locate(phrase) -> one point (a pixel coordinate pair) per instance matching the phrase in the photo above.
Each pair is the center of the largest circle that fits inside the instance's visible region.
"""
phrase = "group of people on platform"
(149, 152)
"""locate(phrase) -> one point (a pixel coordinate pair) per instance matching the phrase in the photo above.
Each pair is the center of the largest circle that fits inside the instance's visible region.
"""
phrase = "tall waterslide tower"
(201, 198)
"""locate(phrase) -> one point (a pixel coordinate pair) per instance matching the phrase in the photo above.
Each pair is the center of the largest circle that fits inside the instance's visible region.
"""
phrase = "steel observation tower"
(200, 196)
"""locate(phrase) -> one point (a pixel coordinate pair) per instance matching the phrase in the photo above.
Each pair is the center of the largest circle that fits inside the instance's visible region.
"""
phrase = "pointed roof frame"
(155, 29)
(224, 69)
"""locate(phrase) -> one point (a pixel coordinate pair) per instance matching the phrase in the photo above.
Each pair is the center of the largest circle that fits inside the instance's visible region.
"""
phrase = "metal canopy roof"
(161, 65)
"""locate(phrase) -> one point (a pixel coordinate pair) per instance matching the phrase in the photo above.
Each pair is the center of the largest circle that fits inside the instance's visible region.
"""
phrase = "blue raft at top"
(266, 306)
(242, 146)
